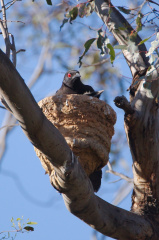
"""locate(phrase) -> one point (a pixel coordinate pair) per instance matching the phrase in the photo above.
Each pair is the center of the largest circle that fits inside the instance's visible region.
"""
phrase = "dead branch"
(122, 102)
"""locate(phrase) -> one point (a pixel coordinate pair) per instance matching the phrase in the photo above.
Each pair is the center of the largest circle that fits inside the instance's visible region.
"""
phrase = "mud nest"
(86, 123)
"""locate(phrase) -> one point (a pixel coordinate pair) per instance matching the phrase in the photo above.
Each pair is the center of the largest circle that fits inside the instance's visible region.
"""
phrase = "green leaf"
(29, 228)
(49, 2)
(18, 219)
(111, 52)
(32, 223)
(65, 20)
(73, 13)
(87, 46)
(120, 47)
(124, 10)
(81, 10)
(146, 39)
(138, 22)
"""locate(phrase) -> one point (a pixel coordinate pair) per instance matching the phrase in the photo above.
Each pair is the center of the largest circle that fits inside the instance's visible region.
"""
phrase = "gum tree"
(141, 126)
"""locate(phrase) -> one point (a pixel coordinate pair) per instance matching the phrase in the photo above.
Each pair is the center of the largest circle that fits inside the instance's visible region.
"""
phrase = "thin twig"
(11, 3)
(9, 126)
(101, 62)
(4, 29)
(153, 2)
(15, 21)
(8, 120)
(38, 70)
(2, 107)
(122, 192)
(109, 165)
(20, 50)
(122, 176)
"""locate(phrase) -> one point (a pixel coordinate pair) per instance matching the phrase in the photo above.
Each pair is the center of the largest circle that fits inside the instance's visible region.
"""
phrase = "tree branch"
(142, 125)
(77, 190)
(39, 126)
(121, 30)
(122, 102)
(4, 29)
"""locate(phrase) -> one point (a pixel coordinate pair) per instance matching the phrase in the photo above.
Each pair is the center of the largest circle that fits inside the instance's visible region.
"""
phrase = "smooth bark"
(121, 31)
(77, 190)
(141, 114)
(141, 121)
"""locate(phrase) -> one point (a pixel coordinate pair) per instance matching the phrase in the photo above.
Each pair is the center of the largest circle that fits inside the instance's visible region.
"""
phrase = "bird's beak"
(77, 75)
(100, 92)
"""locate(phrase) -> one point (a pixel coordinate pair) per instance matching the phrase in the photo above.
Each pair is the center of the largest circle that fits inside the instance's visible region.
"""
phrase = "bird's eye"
(69, 75)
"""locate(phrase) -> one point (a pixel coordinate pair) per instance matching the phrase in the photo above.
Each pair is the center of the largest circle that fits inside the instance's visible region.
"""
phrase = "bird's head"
(71, 76)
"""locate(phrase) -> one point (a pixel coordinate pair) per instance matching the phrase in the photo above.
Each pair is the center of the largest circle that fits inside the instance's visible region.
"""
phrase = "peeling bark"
(121, 30)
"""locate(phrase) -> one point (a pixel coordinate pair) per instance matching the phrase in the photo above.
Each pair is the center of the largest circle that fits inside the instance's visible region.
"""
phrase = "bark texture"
(141, 115)
(122, 30)
(77, 190)
(141, 125)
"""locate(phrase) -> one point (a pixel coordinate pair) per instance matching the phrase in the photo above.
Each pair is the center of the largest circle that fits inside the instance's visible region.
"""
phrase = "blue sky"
(26, 190)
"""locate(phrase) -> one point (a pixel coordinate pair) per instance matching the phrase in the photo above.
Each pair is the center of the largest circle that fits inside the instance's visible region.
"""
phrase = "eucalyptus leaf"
(122, 47)
(124, 10)
(49, 2)
(87, 46)
(29, 228)
(111, 52)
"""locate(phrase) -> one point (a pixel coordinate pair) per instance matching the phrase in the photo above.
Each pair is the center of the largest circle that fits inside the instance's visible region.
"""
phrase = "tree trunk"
(141, 125)
(141, 118)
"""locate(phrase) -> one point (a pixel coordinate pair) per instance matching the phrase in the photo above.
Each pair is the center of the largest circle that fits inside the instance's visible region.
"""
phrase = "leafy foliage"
(103, 44)
(19, 227)
(87, 46)
(73, 13)
(81, 10)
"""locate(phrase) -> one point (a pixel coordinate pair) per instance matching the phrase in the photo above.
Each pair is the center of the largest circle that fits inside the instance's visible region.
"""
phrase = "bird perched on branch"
(72, 85)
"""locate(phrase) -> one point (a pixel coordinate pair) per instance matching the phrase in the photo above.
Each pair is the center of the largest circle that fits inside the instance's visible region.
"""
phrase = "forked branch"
(78, 193)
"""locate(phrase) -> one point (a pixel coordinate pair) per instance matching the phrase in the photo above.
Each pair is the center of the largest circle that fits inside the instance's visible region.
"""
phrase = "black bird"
(72, 85)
